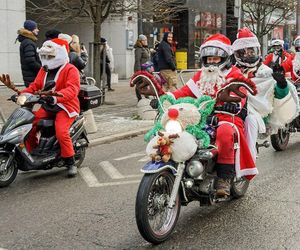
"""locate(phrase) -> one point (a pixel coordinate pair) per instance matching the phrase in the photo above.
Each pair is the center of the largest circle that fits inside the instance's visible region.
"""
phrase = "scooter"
(13, 152)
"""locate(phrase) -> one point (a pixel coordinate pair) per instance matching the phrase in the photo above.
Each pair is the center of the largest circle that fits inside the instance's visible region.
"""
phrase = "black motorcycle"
(13, 153)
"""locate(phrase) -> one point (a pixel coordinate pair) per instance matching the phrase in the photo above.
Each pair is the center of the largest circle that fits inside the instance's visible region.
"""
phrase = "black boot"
(225, 173)
(70, 164)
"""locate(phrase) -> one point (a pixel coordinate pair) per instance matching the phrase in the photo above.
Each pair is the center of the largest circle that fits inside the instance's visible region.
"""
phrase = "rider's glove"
(231, 107)
(280, 79)
(49, 99)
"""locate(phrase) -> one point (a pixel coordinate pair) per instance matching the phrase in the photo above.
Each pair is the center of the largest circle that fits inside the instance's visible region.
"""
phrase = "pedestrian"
(51, 34)
(78, 57)
(30, 61)
(166, 62)
(154, 56)
(106, 62)
(141, 56)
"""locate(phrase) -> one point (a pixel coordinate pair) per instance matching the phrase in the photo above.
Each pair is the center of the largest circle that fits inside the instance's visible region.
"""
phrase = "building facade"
(12, 13)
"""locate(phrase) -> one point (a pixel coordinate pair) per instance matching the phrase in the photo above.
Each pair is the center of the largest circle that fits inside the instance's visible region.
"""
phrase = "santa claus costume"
(277, 57)
(275, 102)
(56, 66)
(208, 81)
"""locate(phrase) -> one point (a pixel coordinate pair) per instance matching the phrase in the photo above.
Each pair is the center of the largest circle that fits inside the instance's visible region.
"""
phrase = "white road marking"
(111, 170)
(116, 183)
(131, 156)
(88, 176)
(2, 248)
(144, 159)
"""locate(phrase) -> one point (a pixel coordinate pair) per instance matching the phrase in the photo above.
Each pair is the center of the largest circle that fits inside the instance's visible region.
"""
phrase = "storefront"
(192, 26)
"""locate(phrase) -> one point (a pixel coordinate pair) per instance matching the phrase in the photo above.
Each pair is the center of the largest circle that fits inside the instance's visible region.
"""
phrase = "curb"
(120, 136)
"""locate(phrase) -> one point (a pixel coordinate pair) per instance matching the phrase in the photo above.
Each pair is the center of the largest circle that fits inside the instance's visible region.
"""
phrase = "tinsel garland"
(196, 130)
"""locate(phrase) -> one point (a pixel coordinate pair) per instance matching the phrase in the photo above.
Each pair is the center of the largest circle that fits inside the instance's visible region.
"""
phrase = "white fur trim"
(215, 43)
(194, 88)
(285, 110)
(247, 42)
(240, 172)
(72, 114)
(277, 42)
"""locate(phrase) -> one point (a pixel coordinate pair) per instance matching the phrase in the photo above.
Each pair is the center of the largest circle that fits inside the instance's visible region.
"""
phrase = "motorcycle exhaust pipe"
(265, 144)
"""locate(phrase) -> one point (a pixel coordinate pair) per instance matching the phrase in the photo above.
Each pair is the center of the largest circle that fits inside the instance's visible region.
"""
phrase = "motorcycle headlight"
(173, 127)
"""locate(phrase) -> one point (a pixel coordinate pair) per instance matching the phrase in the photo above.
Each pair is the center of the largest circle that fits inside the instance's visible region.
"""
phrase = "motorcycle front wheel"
(7, 173)
(154, 219)
(280, 140)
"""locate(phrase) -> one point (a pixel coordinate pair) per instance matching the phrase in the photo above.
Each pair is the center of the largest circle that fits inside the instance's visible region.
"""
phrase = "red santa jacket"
(269, 59)
(67, 83)
(191, 89)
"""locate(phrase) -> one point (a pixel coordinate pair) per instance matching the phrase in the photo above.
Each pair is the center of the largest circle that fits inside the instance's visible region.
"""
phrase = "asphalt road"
(45, 210)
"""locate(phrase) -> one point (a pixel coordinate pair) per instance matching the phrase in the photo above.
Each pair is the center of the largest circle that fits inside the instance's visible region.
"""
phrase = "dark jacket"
(166, 59)
(79, 61)
(141, 55)
(30, 61)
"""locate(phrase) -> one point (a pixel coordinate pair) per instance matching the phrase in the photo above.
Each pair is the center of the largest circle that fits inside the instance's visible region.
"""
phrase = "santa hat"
(219, 41)
(65, 37)
(61, 42)
(276, 42)
(245, 39)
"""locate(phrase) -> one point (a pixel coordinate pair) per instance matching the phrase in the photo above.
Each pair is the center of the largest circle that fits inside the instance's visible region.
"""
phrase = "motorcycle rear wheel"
(154, 219)
(280, 140)
(8, 175)
(239, 187)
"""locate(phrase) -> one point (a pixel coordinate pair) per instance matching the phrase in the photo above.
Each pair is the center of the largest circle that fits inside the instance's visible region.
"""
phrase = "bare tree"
(97, 11)
(262, 16)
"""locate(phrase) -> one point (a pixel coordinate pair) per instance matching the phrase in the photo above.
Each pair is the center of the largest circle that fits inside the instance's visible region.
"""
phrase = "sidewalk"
(115, 119)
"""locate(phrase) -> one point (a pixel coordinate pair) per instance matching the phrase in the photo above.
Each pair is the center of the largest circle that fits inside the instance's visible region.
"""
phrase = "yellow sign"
(181, 59)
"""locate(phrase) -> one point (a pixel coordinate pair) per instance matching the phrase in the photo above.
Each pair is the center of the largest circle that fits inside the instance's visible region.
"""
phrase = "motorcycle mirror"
(49, 85)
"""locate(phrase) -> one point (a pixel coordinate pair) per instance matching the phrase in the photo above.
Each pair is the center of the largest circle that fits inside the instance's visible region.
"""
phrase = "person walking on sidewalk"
(166, 62)
(141, 56)
(106, 62)
(30, 62)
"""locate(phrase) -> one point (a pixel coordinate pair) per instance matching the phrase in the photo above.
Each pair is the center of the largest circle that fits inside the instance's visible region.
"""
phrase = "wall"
(12, 13)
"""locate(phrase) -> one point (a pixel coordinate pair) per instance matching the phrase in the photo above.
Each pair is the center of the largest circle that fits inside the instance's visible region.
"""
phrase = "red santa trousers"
(62, 125)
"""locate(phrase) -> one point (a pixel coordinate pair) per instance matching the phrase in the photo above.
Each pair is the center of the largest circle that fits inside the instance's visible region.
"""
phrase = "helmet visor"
(297, 43)
(213, 51)
(248, 55)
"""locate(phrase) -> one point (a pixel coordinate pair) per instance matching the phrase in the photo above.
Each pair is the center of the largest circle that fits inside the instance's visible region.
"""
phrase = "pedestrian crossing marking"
(142, 153)
(110, 170)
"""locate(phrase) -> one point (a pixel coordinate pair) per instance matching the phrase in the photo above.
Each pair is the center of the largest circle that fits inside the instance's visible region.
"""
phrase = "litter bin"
(181, 59)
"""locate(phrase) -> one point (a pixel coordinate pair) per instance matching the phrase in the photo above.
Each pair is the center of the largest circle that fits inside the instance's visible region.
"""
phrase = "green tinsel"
(196, 130)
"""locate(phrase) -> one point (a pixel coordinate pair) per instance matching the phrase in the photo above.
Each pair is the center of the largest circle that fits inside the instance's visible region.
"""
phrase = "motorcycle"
(13, 153)
(281, 139)
(174, 181)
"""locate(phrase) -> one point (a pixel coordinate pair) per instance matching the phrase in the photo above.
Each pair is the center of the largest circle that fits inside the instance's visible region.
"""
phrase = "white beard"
(211, 80)
(296, 64)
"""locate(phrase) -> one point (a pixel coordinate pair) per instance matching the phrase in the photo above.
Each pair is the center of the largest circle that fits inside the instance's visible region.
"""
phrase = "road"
(45, 210)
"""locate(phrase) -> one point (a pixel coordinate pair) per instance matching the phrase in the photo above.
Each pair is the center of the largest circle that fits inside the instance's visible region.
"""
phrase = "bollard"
(90, 124)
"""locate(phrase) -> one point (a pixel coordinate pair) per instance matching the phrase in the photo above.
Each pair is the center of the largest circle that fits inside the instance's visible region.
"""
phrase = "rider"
(64, 107)
(293, 64)
(278, 56)
(273, 103)
(217, 68)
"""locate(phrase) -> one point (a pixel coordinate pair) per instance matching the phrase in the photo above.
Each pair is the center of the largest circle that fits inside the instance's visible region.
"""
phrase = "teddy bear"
(164, 150)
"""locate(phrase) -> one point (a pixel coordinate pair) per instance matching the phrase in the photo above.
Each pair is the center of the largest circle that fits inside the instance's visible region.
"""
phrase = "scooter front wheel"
(155, 220)
(7, 173)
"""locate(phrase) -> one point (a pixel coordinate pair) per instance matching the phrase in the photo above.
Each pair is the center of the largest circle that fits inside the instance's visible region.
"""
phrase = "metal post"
(238, 12)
